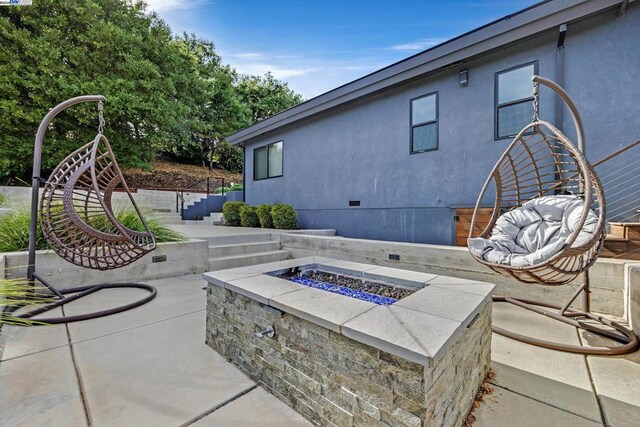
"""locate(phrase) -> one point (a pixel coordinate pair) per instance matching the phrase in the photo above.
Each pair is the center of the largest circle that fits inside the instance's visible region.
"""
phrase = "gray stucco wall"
(361, 151)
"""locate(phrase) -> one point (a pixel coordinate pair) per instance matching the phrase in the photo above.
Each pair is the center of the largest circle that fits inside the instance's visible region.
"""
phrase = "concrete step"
(215, 218)
(242, 248)
(233, 261)
(237, 239)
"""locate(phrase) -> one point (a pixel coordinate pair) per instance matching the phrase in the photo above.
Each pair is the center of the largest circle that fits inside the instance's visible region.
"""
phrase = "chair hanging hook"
(100, 117)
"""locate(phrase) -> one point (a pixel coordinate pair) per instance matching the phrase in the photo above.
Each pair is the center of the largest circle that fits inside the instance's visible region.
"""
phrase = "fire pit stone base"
(352, 376)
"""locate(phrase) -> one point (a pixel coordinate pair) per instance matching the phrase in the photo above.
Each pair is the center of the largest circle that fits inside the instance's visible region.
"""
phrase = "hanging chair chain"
(100, 117)
(536, 101)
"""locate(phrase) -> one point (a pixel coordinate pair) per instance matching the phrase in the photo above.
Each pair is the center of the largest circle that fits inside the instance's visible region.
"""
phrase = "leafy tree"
(56, 50)
(266, 96)
(165, 94)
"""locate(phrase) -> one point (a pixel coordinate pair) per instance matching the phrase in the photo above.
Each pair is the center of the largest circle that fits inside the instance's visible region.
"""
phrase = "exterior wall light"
(464, 78)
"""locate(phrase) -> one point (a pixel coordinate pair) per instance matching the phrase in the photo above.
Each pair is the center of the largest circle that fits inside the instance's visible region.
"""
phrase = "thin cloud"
(167, 5)
(247, 55)
(419, 44)
(278, 72)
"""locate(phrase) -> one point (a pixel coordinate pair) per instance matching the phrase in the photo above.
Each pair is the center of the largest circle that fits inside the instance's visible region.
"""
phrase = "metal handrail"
(618, 175)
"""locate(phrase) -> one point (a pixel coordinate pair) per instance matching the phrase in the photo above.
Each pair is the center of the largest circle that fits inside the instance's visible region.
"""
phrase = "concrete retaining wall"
(632, 291)
(607, 275)
(146, 199)
(187, 257)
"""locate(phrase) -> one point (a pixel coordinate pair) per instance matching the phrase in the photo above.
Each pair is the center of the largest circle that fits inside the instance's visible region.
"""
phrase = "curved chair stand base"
(82, 291)
(629, 341)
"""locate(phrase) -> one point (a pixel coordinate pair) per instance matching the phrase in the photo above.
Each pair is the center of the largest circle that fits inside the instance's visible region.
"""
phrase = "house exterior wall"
(361, 151)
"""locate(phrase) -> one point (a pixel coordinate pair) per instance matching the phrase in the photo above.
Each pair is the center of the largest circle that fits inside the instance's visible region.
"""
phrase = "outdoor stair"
(623, 241)
(170, 217)
(191, 199)
(243, 250)
(214, 218)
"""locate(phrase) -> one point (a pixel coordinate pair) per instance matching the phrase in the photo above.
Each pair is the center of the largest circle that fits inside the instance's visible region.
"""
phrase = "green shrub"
(249, 216)
(264, 214)
(234, 187)
(129, 218)
(284, 216)
(14, 232)
(231, 213)
(14, 229)
(3, 200)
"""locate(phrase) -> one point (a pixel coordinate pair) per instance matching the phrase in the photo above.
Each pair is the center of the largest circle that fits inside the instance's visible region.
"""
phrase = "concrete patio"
(150, 366)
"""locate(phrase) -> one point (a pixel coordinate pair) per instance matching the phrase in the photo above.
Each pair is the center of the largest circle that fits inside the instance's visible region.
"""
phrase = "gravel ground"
(359, 284)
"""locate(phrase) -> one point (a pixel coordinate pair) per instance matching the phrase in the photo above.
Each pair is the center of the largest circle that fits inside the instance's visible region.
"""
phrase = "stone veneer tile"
(332, 379)
(380, 329)
(263, 287)
(321, 307)
(444, 302)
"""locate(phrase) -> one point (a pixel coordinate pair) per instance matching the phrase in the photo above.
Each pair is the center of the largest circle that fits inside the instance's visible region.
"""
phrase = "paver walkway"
(150, 366)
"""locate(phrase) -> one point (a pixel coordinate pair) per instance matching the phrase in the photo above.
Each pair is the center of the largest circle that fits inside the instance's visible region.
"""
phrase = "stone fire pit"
(340, 360)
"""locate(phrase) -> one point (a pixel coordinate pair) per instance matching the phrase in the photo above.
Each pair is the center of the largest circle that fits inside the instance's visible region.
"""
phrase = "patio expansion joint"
(76, 370)
(220, 405)
(503, 387)
(33, 352)
(603, 417)
(136, 327)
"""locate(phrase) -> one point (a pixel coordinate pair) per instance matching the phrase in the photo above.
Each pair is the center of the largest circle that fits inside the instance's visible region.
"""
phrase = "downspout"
(244, 173)
(559, 78)
(559, 117)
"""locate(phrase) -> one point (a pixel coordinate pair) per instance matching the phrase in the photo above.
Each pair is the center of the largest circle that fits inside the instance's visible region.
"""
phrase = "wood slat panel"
(464, 223)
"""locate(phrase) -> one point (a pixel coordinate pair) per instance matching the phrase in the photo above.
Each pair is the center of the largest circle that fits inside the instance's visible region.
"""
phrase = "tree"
(266, 96)
(215, 109)
(165, 94)
(56, 50)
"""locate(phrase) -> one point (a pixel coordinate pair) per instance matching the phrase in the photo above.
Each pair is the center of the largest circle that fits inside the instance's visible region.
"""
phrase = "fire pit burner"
(372, 291)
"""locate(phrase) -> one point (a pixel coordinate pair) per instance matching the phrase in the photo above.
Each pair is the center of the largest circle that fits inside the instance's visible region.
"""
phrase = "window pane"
(423, 109)
(425, 137)
(275, 159)
(260, 166)
(515, 84)
(512, 118)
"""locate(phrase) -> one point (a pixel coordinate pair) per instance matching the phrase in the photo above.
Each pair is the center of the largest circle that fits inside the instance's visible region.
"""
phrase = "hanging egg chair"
(544, 174)
(77, 216)
(547, 226)
(79, 222)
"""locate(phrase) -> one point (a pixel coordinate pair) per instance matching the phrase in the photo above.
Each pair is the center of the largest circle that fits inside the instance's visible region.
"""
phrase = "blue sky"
(317, 45)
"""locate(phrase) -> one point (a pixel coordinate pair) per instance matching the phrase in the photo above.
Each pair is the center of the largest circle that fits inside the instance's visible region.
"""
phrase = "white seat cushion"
(534, 232)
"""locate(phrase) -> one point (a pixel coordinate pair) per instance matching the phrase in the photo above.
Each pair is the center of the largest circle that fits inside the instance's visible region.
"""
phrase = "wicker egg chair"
(77, 216)
(78, 220)
(541, 161)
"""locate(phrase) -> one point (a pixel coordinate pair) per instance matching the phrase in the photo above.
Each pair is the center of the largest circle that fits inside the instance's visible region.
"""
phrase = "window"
(514, 99)
(267, 161)
(424, 123)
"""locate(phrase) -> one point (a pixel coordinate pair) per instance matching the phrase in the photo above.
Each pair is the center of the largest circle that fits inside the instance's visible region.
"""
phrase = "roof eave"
(527, 23)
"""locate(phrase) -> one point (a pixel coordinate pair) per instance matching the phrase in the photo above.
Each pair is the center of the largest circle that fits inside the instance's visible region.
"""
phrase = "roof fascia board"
(537, 20)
